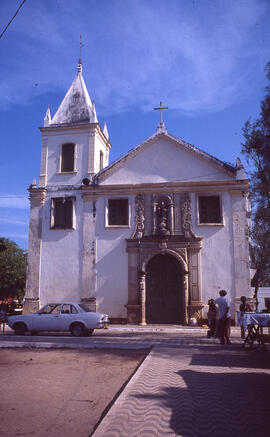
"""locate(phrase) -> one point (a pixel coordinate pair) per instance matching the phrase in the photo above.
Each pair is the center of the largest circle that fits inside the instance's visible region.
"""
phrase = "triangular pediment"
(165, 158)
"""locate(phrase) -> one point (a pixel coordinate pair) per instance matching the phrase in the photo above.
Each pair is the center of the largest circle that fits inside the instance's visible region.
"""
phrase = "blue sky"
(204, 59)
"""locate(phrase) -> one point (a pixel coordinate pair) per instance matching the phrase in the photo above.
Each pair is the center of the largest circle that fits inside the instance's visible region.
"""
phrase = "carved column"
(142, 293)
(185, 297)
(32, 294)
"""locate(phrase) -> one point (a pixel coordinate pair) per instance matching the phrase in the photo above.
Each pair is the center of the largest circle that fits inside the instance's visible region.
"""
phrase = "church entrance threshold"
(164, 296)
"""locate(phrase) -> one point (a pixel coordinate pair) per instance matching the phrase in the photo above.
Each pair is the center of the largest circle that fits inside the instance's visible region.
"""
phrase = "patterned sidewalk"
(198, 389)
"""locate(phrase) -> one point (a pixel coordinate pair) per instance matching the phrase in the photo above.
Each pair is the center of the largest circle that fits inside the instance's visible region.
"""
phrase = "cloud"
(14, 236)
(13, 201)
(198, 56)
(14, 221)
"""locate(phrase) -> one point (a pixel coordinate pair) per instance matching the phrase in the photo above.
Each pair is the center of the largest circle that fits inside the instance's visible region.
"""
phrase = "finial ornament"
(47, 118)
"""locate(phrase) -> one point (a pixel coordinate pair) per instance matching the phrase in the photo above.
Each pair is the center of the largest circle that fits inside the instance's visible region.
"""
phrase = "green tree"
(256, 148)
(13, 261)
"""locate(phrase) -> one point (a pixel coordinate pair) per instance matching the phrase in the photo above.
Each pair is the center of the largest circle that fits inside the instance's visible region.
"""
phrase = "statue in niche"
(162, 214)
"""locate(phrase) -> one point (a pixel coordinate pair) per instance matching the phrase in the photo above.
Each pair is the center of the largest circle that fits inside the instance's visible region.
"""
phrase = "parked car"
(74, 317)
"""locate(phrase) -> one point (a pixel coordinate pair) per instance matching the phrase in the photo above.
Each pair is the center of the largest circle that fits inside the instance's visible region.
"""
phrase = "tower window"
(67, 157)
(209, 210)
(118, 212)
(62, 213)
(101, 161)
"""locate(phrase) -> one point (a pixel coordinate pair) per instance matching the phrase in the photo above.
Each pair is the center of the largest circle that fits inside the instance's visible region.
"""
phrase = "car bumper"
(104, 325)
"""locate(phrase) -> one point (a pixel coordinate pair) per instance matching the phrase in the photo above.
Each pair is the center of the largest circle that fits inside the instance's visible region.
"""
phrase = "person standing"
(212, 317)
(245, 307)
(223, 317)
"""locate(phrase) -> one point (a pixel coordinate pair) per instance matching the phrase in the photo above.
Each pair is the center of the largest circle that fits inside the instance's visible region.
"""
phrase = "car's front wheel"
(20, 328)
(77, 330)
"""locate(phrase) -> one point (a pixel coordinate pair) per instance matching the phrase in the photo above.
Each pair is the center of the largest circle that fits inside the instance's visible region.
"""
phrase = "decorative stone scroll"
(186, 216)
(139, 217)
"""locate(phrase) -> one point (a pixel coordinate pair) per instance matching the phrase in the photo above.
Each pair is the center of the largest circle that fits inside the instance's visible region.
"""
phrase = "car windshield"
(84, 307)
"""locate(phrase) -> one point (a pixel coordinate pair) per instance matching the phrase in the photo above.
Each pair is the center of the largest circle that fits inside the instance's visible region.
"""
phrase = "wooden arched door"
(164, 294)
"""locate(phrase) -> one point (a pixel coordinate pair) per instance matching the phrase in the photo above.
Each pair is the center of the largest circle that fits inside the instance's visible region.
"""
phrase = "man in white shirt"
(224, 318)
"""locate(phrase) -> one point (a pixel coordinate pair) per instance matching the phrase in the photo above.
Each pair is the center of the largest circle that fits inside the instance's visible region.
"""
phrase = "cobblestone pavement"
(116, 337)
(187, 386)
(198, 389)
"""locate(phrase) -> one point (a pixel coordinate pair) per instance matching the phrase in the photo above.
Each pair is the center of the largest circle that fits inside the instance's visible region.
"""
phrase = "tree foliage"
(13, 261)
(256, 148)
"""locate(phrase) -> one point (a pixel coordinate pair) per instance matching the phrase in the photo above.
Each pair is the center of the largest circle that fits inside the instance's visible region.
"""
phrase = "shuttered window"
(62, 213)
(67, 158)
(209, 209)
(118, 212)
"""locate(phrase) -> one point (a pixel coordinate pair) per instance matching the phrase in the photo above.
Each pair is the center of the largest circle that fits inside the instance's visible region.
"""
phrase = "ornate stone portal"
(168, 240)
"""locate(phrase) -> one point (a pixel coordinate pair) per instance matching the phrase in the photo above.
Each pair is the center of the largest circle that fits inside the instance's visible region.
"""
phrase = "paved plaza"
(187, 386)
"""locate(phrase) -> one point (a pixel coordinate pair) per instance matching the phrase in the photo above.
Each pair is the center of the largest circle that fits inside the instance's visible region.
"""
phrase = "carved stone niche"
(163, 207)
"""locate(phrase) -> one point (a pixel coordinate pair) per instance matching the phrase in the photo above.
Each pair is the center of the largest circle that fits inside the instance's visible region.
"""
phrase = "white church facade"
(149, 238)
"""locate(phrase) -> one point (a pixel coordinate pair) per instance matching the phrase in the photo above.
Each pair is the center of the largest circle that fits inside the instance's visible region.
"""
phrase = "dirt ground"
(53, 392)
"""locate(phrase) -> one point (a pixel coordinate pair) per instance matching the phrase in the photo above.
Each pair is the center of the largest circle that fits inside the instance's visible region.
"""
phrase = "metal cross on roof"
(161, 109)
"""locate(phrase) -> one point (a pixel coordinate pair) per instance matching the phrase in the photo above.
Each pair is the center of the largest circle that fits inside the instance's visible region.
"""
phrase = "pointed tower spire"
(105, 130)
(93, 118)
(76, 106)
(47, 118)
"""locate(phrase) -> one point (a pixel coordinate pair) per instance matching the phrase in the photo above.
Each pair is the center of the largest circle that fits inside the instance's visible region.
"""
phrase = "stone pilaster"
(89, 273)
(133, 306)
(32, 295)
(44, 163)
(240, 245)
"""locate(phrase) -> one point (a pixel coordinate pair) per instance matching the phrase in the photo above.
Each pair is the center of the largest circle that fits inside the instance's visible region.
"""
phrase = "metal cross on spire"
(80, 60)
(81, 46)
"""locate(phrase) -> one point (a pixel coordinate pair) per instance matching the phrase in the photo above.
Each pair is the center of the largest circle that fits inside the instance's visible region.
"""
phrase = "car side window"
(55, 310)
(47, 309)
(65, 309)
(73, 309)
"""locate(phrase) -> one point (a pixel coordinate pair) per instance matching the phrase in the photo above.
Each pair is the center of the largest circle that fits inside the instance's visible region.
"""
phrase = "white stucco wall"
(164, 161)
(60, 275)
(112, 263)
(217, 257)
